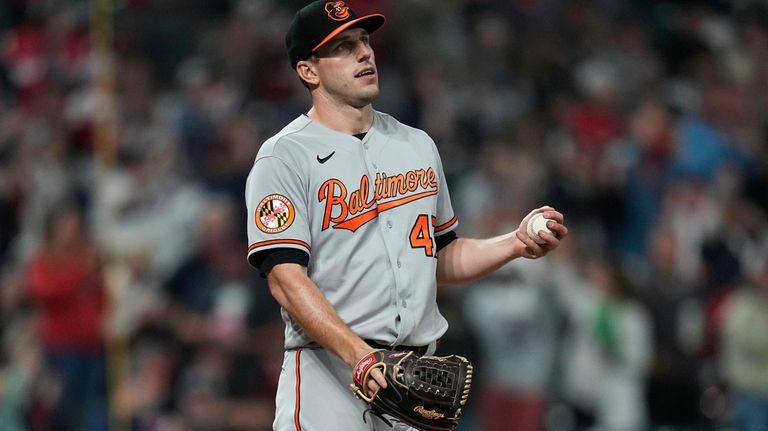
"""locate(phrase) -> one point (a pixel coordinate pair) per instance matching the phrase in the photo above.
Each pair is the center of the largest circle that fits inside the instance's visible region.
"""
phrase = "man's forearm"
(302, 299)
(466, 259)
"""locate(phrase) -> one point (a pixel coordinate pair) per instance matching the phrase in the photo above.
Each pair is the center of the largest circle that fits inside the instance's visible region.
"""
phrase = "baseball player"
(350, 220)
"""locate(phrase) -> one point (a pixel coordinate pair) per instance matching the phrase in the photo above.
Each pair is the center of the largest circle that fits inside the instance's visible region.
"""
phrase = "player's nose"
(364, 52)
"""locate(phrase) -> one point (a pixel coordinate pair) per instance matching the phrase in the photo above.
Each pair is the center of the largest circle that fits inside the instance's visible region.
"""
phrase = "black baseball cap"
(321, 21)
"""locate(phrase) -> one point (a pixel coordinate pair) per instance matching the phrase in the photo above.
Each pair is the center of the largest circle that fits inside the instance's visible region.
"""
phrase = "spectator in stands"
(64, 285)
(745, 352)
(515, 321)
(607, 351)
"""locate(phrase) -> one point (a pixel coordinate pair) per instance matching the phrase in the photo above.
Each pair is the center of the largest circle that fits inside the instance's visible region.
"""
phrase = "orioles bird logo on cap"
(337, 10)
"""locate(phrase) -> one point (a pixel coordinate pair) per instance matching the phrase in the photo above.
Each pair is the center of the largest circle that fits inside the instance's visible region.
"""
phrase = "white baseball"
(536, 224)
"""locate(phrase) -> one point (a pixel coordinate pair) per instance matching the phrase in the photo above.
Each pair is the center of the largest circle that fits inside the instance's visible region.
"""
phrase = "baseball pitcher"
(350, 220)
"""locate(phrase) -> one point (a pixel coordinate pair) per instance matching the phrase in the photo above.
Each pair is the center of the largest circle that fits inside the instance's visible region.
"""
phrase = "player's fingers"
(373, 387)
(552, 241)
(532, 250)
(523, 236)
(552, 214)
(558, 229)
(377, 380)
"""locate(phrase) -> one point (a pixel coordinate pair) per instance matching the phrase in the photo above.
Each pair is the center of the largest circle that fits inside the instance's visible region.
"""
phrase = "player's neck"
(344, 119)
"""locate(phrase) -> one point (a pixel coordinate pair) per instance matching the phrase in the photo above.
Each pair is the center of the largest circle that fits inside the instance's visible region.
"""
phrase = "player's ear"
(307, 70)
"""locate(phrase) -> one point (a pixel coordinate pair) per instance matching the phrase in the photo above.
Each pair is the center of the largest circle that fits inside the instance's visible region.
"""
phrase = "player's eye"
(344, 47)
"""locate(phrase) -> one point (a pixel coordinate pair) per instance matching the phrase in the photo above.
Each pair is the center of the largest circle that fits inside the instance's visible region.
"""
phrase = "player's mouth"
(369, 71)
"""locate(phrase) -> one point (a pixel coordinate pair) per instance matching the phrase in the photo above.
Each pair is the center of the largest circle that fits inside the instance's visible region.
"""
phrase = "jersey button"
(389, 224)
(399, 264)
(374, 166)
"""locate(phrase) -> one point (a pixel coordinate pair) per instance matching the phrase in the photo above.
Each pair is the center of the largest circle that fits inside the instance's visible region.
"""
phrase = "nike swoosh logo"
(325, 159)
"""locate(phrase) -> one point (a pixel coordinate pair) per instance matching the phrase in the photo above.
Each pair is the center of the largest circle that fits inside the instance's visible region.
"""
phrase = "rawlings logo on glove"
(424, 392)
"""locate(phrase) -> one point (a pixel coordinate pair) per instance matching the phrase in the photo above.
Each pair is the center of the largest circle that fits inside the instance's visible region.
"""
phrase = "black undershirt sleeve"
(268, 259)
(445, 239)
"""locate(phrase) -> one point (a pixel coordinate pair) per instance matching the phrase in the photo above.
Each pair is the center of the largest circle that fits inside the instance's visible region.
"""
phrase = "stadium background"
(127, 128)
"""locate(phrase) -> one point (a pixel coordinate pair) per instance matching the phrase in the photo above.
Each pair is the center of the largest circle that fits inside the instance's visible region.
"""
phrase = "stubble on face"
(359, 98)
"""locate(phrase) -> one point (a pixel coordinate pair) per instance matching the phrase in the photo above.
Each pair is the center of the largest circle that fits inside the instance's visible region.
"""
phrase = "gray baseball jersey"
(367, 213)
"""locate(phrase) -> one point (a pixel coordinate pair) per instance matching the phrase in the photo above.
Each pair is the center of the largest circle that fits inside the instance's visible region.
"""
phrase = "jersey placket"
(393, 243)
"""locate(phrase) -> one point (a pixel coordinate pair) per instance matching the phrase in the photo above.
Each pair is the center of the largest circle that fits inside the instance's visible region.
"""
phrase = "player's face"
(346, 67)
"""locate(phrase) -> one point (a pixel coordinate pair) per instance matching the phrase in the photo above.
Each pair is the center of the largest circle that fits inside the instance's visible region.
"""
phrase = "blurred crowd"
(126, 302)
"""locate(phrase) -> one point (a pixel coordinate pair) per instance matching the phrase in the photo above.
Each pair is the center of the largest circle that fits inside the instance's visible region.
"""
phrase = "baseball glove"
(424, 392)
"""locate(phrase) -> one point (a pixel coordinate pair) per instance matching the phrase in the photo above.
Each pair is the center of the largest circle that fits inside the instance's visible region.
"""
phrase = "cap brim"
(370, 23)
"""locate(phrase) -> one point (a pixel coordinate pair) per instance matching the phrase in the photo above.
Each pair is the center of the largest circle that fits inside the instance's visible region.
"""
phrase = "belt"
(419, 350)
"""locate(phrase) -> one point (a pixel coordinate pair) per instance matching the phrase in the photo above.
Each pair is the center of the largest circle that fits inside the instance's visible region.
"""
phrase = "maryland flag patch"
(274, 214)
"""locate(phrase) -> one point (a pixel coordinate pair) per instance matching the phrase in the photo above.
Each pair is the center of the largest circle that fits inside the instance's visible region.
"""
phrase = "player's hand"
(367, 375)
(377, 381)
(529, 248)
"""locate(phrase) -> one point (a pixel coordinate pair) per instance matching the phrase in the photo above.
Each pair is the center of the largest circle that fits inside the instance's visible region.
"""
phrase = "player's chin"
(366, 96)
(371, 88)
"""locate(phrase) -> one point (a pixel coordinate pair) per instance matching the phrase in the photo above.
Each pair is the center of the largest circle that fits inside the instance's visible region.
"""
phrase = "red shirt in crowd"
(68, 293)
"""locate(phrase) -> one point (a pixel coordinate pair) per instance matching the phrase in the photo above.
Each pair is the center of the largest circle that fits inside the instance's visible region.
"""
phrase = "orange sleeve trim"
(297, 408)
(260, 244)
(446, 225)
